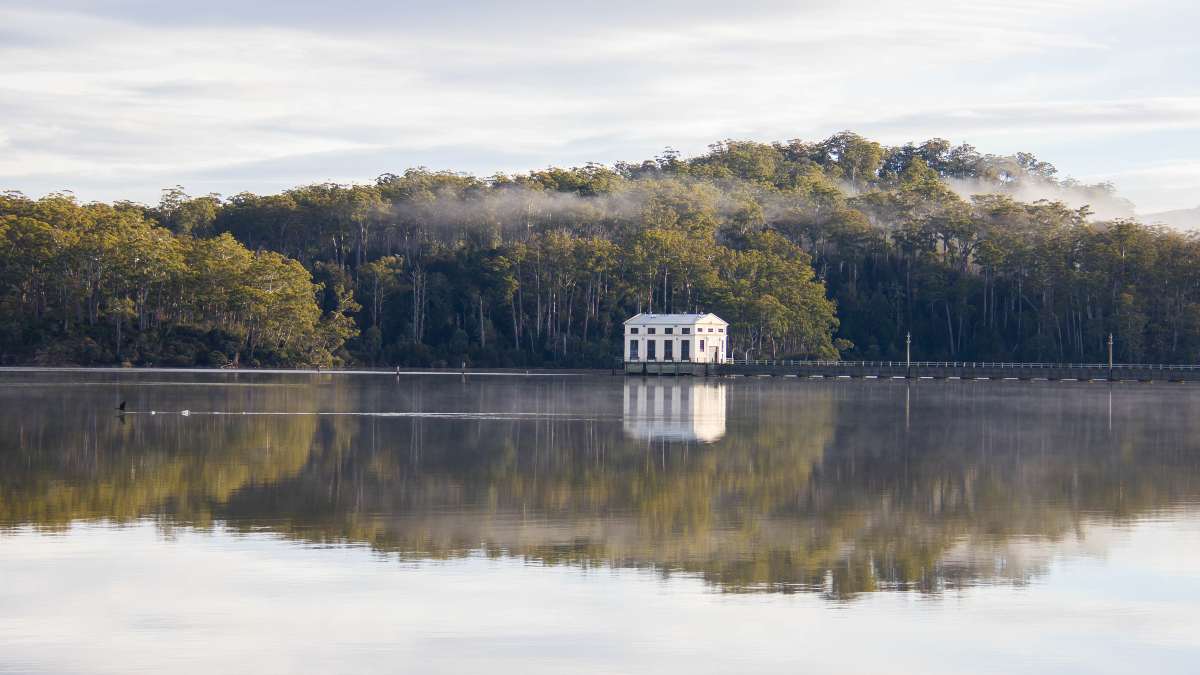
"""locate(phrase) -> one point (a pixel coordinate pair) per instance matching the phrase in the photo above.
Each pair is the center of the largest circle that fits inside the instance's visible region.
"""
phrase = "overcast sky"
(119, 99)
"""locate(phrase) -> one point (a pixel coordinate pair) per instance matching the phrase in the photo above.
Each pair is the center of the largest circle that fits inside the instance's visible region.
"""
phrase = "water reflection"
(674, 408)
(834, 488)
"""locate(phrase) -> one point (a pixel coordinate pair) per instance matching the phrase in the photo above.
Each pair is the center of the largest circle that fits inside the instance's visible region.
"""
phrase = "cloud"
(1036, 117)
(1165, 185)
(143, 94)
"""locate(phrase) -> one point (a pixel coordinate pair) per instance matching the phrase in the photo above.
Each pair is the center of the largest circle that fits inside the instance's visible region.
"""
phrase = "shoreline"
(323, 371)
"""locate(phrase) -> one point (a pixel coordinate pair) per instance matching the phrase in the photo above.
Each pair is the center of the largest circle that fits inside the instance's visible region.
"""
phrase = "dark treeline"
(825, 249)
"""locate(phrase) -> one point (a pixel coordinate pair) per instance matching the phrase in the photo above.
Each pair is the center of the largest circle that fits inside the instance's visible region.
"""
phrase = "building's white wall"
(713, 333)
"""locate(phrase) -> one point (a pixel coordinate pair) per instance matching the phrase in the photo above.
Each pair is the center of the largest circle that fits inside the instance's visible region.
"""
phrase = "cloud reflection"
(838, 488)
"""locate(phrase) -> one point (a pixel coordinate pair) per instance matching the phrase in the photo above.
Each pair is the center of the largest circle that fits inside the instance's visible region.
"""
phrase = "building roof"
(656, 319)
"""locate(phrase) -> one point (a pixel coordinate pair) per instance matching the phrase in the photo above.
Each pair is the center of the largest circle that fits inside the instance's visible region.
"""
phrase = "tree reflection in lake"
(839, 488)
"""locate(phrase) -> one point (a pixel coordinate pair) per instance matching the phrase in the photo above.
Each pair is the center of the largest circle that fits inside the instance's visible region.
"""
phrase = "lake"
(363, 523)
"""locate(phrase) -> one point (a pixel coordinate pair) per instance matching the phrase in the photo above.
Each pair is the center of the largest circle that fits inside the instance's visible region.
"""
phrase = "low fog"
(1101, 198)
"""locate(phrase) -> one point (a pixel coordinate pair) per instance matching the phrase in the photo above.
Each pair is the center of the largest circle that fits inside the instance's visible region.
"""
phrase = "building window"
(668, 351)
(668, 331)
(702, 349)
(687, 331)
(633, 349)
(633, 331)
(650, 349)
(720, 330)
(649, 331)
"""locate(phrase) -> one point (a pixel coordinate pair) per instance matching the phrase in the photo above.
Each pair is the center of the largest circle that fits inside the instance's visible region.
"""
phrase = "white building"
(695, 338)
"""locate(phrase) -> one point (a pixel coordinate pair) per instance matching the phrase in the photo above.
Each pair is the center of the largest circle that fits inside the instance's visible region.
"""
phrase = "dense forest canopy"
(820, 249)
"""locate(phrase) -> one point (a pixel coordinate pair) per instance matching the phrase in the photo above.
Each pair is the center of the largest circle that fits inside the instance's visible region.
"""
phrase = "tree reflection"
(835, 488)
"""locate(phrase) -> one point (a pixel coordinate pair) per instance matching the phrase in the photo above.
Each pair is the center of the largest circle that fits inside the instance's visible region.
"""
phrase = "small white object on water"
(185, 412)
(151, 412)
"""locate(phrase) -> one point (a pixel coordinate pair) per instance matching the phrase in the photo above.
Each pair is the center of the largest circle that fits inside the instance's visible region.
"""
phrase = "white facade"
(694, 338)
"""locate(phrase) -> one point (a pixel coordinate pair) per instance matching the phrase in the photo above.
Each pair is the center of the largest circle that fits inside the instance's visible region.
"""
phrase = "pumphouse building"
(676, 338)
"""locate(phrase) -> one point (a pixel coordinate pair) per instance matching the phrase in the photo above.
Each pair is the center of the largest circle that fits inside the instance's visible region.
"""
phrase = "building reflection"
(676, 409)
(775, 486)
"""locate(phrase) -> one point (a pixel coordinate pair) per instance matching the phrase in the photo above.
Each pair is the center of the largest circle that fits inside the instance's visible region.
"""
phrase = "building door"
(703, 356)
(668, 350)
(685, 350)
(633, 350)
(650, 350)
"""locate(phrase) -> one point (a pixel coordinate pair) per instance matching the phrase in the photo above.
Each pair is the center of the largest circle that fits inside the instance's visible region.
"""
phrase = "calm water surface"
(549, 524)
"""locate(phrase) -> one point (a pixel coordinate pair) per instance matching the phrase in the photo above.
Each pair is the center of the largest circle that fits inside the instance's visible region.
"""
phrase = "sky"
(120, 99)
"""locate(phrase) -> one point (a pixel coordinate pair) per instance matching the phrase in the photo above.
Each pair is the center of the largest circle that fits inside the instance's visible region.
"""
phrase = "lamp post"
(1110, 359)
(908, 354)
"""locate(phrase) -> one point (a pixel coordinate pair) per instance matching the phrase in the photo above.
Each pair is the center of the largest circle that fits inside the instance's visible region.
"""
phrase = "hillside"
(809, 249)
(1182, 219)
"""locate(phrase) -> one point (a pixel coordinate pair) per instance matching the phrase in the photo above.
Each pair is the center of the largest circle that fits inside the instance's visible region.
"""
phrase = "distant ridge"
(1183, 219)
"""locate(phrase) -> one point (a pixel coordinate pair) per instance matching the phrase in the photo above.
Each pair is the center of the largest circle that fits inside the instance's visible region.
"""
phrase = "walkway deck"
(963, 370)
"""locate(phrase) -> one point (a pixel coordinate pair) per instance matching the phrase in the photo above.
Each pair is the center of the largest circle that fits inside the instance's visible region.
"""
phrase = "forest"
(828, 249)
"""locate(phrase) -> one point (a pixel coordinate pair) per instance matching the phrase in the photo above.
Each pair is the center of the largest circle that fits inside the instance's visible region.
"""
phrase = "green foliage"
(97, 284)
(787, 312)
(810, 249)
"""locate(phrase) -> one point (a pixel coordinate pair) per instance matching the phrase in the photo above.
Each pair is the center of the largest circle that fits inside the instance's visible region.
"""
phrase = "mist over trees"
(809, 249)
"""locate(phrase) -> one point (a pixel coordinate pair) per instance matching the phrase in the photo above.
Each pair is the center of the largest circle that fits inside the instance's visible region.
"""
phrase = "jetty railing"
(961, 364)
(961, 370)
